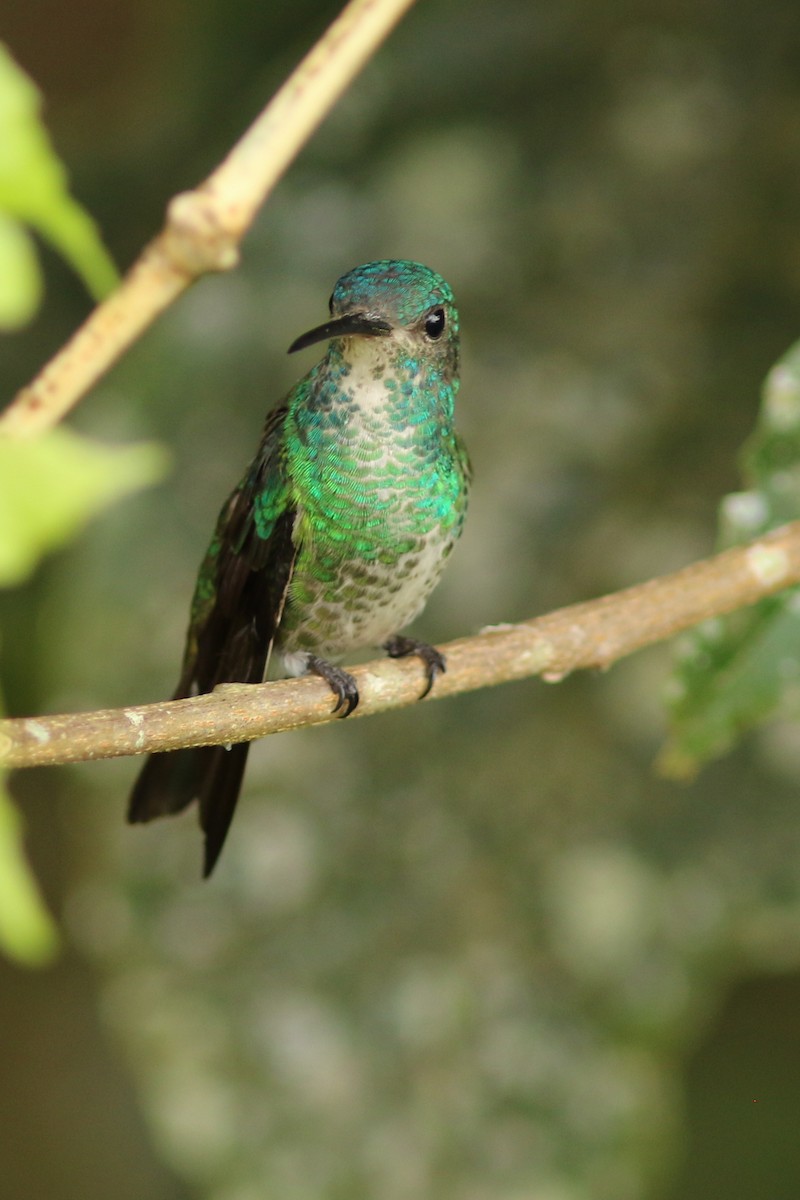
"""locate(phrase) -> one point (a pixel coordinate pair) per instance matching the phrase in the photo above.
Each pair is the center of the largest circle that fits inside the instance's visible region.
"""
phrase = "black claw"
(340, 682)
(402, 647)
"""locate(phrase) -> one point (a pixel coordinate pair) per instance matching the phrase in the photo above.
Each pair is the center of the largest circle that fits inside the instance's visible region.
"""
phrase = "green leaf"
(736, 671)
(20, 275)
(33, 184)
(27, 931)
(52, 485)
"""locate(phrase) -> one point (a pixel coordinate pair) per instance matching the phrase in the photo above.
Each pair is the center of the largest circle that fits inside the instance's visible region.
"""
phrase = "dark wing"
(236, 611)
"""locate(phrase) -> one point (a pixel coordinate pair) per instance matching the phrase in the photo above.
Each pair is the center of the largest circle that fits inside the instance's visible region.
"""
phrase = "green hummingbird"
(340, 528)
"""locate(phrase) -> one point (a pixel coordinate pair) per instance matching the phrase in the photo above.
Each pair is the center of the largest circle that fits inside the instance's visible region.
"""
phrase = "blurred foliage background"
(475, 951)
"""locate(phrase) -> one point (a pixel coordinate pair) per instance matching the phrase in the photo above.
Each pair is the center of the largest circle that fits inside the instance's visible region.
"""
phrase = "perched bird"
(338, 531)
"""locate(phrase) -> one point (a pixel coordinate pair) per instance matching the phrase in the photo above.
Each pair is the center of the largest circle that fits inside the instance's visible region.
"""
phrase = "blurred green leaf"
(50, 486)
(27, 931)
(33, 190)
(20, 275)
(735, 671)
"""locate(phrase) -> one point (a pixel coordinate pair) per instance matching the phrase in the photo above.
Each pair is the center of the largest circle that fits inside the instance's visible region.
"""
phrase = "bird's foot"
(402, 647)
(340, 682)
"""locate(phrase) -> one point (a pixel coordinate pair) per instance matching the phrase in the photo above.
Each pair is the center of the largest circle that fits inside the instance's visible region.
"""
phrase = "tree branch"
(204, 227)
(590, 635)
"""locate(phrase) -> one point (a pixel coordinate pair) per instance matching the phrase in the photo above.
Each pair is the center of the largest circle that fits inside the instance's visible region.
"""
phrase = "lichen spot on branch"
(769, 564)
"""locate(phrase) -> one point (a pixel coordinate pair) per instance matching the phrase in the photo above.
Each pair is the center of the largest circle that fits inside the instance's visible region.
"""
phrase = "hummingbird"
(338, 531)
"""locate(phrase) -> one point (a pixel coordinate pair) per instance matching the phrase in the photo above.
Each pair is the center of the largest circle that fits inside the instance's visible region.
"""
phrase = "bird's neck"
(381, 387)
(363, 427)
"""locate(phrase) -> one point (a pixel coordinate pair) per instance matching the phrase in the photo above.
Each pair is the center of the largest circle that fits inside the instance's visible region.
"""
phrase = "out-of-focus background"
(476, 950)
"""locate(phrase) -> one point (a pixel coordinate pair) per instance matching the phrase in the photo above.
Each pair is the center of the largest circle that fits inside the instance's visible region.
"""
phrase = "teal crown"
(398, 288)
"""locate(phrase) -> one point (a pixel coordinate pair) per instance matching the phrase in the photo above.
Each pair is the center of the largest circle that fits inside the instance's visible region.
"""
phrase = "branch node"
(196, 238)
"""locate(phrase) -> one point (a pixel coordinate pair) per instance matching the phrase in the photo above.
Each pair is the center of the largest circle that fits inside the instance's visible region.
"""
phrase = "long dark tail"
(229, 641)
(169, 782)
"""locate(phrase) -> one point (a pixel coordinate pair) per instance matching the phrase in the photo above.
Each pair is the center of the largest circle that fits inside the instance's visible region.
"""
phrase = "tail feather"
(169, 782)
(222, 783)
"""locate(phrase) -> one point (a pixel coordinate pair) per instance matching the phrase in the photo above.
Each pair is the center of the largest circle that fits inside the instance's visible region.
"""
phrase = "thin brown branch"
(593, 634)
(204, 227)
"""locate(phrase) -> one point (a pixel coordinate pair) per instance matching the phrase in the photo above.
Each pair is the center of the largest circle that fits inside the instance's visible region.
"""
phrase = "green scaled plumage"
(340, 528)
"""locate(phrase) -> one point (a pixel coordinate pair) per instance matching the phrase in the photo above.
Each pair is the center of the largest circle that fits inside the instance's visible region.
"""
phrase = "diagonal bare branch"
(205, 226)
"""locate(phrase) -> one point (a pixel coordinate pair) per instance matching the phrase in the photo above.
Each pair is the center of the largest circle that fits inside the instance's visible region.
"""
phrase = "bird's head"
(396, 300)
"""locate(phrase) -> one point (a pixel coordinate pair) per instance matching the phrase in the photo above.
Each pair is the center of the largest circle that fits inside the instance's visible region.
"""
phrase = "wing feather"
(236, 613)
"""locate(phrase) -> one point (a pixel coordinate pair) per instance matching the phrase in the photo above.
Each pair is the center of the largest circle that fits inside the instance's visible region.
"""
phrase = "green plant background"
(475, 951)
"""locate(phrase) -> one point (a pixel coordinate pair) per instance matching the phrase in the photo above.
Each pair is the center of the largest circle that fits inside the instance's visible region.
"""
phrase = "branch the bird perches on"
(593, 634)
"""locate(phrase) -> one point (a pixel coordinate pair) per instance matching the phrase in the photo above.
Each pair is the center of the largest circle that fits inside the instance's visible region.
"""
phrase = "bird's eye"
(434, 324)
